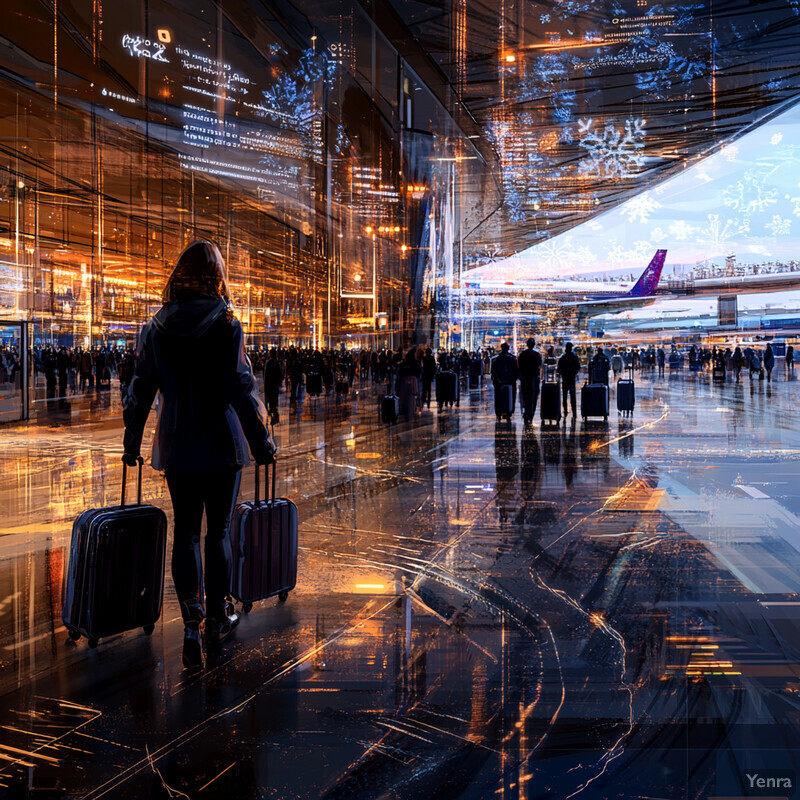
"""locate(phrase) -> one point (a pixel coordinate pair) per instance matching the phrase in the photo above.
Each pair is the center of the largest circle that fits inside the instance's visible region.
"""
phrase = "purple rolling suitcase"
(264, 546)
(115, 577)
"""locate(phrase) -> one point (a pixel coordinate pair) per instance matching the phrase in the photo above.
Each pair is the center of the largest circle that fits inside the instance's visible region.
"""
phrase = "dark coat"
(569, 365)
(192, 352)
(530, 364)
(504, 369)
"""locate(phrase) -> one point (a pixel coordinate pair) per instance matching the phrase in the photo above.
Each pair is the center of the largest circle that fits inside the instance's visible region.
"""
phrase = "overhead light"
(510, 59)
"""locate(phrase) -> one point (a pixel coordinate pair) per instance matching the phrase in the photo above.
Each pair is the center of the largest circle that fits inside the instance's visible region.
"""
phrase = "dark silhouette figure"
(569, 365)
(530, 368)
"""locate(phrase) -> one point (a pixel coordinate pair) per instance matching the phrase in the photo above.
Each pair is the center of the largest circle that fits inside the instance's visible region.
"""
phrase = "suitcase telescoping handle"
(266, 483)
(140, 462)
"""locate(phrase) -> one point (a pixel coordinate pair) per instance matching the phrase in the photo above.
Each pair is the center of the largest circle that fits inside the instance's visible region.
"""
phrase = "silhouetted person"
(529, 362)
(505, 372)
(789, 359)
(273, 378)
(569, 366)
(769, 361)
(192, 352)
(428, 374)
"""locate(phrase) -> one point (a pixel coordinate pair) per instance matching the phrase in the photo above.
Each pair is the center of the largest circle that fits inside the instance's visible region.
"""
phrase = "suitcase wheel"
(283, 597)
(148, 630)
(92, 643)
(74, 635)
(247, 608)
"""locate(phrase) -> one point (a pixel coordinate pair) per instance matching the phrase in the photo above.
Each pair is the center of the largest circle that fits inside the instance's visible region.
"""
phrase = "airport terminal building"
(398, 399)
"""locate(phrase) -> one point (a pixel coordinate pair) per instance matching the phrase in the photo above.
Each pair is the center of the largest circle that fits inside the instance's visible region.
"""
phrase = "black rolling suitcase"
(626, 396)
(389, 408)
(115, 577)
(598, 372)
(594, 400)
(446, 388)
(504, 400)
(475, 370)
(550, 403)
(342, 388)
(264, 546)
(314, 384)
(718, 374)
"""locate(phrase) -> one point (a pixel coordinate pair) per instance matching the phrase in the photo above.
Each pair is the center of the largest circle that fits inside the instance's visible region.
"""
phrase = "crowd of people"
(410, 373)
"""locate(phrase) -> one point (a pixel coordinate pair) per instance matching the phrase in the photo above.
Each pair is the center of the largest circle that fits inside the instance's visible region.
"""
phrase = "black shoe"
(192, 648)
(218, 631)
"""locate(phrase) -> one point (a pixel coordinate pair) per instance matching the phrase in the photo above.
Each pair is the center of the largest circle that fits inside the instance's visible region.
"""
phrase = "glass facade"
(306, 153)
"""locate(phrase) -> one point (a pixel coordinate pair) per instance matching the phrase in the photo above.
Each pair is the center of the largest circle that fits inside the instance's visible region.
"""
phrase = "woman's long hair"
(200, 270)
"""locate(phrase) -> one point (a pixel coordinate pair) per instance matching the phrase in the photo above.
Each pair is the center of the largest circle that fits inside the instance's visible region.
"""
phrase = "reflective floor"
(482, 611)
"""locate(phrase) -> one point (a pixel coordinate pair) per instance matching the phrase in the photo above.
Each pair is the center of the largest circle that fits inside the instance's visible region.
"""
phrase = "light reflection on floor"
(483, 610)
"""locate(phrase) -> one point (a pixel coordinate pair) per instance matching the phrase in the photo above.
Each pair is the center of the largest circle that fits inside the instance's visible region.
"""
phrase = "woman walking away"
(205, 415)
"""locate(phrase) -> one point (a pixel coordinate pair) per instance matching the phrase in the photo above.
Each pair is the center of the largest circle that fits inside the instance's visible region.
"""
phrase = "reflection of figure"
(551, 445)
(506, 458)
(594, 444)
(529, 474)
(625, 441)
(569, 457)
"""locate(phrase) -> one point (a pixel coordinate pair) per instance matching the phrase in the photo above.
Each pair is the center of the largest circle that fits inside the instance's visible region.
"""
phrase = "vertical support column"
(24, 346)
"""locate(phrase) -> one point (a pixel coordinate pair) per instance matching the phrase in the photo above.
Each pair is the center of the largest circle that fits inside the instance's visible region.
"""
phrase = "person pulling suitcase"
(206, 420)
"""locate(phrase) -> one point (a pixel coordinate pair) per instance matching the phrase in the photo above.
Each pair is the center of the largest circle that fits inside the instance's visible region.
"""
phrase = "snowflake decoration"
(543, 18)
(681, 230)
(718, 235)
(657, 235)
(615, 152)
(616, 254)
(750, 194)
(777, 138)
(730, 151)
(641, 207)
(796, 209)
(779, 226)
(562, 252)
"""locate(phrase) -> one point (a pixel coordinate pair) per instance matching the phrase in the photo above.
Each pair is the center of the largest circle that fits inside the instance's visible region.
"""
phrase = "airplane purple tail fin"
(648, 281)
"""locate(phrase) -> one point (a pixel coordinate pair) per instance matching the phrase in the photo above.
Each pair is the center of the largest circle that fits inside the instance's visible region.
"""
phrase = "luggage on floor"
(314, 384)
(598, 372)
(389, 408)
(550, 402)
(475, 370)
(342, 388)
(446, 388)
(115, 576)
(594, 400)
(626, 395)
(504, 400)
(718, 373)
(264, 546)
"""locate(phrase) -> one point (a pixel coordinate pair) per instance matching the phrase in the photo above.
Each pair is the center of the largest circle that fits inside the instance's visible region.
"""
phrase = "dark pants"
(192, 493)
(529, 390)
(426, 391)
(568, 391)
(272, 393)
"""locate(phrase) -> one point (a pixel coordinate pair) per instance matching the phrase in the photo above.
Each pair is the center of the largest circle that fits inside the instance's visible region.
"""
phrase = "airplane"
(586, 297)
